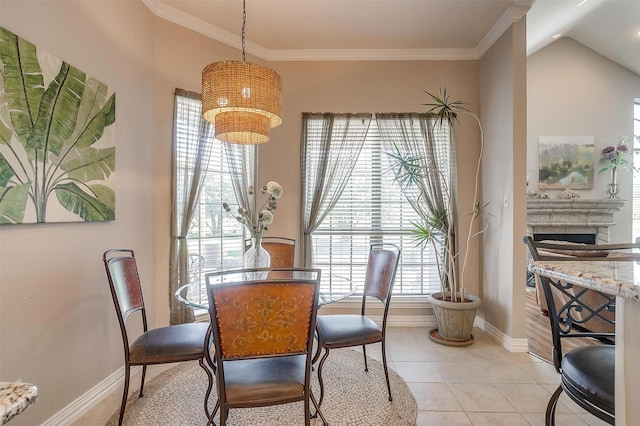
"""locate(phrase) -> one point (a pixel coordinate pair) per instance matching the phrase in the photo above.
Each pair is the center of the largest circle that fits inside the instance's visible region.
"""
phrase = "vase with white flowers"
(454, 307)
(616, 157)
(256, 256)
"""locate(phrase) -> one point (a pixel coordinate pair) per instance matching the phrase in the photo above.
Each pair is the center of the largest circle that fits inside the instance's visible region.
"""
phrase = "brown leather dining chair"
(263, 338)
(162, 345)
(342, 331)
(281, 250)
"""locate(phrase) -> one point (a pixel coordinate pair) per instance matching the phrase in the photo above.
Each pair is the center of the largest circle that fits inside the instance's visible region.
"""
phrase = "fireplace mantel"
(577, 216)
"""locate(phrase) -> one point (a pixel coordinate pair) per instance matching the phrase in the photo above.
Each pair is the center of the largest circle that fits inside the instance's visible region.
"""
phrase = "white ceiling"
(286, 30)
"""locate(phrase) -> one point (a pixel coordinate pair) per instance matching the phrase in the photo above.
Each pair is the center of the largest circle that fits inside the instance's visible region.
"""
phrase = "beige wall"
(57, 322)
(503, 108)
(573, 91)
(58, 327)
(384, 86)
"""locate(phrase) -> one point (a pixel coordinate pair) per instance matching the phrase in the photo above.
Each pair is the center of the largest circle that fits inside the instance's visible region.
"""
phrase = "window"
(215, 239)
(372, 209)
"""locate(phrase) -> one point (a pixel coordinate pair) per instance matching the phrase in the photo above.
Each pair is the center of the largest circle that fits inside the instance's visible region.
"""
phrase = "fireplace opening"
(570, 238)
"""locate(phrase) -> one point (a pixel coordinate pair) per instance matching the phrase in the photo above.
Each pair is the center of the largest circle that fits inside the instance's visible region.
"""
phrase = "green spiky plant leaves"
(47, 138)
(434, 228)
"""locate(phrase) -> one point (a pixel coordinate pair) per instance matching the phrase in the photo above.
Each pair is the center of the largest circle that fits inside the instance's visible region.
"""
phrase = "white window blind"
(372, 209)
(215, 238)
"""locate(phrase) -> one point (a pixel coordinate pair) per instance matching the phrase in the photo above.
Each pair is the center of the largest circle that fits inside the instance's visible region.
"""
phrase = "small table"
(334, 288)
(621, 279)
(15, 397)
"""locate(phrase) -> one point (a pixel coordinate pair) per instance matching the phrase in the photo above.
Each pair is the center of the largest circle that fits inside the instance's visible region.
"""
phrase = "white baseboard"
(93, 397)
(512, 345)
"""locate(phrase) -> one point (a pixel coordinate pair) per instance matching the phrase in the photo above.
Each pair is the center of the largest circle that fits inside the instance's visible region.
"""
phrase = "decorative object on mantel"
(614, 158)
(57, 144)
(242, 99)
(256, 256)
(566, 162)
(568, 194)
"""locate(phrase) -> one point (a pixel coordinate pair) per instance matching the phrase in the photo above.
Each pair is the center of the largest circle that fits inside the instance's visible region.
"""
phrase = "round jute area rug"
(352, 397)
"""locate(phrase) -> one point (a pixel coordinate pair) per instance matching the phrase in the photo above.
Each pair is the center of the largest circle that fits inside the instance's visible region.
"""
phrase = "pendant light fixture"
(242, 99)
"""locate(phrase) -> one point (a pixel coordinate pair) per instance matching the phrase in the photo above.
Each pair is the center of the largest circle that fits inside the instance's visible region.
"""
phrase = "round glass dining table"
(333, 287)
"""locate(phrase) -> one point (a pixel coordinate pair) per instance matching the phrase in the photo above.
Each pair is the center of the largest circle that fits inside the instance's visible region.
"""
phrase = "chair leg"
(324, 358)
(144, 373)
(209, 387)
(386, 370)
(127, 373)
(224, 413)
(317, 407)
(318, 345)
(550, 416)
(307, 413)
(364, 352)
(213, 414)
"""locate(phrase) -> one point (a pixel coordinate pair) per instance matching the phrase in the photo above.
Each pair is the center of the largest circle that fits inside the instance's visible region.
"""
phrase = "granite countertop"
(620, 278)
(15, 397)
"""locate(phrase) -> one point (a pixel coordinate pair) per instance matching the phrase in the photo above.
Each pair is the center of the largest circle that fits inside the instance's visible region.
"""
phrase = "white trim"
(370, 54)
(407, 321)
(511, 16)
(90, 399)
(171, 14)
(512, 345)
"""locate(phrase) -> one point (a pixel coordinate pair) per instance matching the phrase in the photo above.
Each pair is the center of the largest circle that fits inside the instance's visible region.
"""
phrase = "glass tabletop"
(332, 287)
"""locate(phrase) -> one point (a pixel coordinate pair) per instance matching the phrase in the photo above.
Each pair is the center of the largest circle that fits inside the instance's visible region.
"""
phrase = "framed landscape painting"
(566, 162)
(57, 150)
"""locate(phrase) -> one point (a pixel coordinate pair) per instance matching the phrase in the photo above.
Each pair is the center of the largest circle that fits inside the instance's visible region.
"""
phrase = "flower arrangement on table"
(257, 225)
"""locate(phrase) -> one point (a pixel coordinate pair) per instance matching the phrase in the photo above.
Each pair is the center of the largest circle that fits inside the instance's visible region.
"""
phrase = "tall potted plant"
(453, 306)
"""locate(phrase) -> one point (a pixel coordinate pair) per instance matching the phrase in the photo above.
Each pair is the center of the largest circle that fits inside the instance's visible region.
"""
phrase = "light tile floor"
(481, 384)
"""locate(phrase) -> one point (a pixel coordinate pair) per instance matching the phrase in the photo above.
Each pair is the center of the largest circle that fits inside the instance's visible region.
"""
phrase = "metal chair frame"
(226, 352)
(126, 291)
(378, 285)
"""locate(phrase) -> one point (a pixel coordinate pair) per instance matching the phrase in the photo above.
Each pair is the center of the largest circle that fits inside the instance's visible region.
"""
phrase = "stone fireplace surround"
(576, 216)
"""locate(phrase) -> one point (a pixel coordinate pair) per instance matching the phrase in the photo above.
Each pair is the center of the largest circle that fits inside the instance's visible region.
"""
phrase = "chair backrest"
(571, 307)
(281, 250)
(381, 273)
(267, 317)
(560, 250)
(126, 289)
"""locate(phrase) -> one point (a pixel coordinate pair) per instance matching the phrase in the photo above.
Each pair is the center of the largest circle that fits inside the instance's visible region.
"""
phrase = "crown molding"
(372, 54)
(508, 18)
(169, 13)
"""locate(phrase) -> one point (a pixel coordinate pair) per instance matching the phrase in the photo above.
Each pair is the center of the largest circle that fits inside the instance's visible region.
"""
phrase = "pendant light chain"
(244, 23)
(242, 99)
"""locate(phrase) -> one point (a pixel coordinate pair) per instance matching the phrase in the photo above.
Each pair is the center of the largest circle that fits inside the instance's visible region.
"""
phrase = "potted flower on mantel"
(454, 308)
(614, 158)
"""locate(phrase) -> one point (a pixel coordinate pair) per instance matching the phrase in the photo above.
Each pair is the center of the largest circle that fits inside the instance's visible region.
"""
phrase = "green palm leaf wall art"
(57, 153)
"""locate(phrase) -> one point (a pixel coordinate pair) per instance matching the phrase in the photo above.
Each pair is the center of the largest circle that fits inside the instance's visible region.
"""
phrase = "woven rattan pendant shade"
(242, 99)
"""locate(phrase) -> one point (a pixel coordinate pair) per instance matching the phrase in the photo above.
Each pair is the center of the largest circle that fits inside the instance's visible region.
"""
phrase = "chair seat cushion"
(260, 379)
(339, 331)
(589, 371)
(169, 344)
